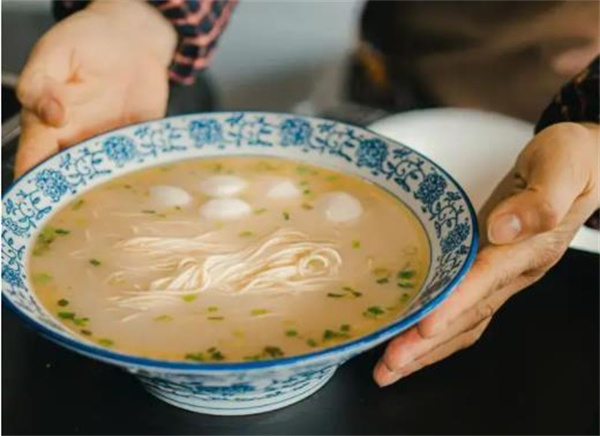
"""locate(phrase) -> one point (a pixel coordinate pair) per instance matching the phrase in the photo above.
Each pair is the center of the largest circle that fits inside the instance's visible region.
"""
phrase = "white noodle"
(284, 261)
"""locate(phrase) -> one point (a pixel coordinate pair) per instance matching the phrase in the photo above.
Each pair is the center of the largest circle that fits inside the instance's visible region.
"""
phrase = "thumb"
(44, 96)
(42, 83)
(551, 174)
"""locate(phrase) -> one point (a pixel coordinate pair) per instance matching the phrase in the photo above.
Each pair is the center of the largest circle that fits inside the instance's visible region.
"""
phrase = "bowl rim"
(115, 357)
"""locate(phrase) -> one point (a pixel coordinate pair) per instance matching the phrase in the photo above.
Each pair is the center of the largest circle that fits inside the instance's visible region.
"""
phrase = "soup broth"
(229, 259)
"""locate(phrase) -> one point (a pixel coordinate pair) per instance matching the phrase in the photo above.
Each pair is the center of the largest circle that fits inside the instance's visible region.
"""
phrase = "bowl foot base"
(239, 399)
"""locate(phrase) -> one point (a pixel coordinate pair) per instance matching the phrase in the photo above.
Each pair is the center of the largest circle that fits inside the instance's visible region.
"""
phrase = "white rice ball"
(169, 196)
(339, 207)
(225, 209)
(223, 186)
(281, 189)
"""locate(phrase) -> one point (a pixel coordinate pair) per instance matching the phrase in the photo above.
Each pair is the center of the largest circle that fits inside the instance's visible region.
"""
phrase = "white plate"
(477, 148)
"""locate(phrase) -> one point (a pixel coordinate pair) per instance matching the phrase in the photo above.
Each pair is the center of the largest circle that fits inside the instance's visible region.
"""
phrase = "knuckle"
(484, 311)
(548, 215)
(550, 250)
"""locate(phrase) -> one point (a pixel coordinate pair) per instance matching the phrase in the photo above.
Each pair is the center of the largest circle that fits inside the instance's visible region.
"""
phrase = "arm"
(530, 219)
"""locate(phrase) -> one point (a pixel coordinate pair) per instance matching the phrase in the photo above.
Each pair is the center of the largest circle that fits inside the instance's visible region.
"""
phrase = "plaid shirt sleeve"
(199, 24)
(577, 101)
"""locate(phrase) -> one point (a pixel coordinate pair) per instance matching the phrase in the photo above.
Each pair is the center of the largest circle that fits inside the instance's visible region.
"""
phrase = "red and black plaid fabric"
(577, 101)
(199, 24)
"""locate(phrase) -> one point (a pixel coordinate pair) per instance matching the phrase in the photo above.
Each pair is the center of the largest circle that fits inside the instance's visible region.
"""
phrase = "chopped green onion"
(215, 318)
(95, 262)
(63, 302)
(106, 342)
(273, 352)
(260, 211)
(215, 354)
(196, 357)
(149, 211)
(80, 321)
(66, 315)
(404, 297)
(212, 308)
(164, 318)
(382, 280)
(406, 274)
(345, 327)
(356, 244)
(406, 285)
(353, 292)
(307, 206)
(77, 204)
(291, 333)
(286, 216)
(333, 295)
(62, 232)
(246, 234)
(42, 278)
(85, 332)
(189, 298)
(257, 312)
(373, 312)
(311, 342)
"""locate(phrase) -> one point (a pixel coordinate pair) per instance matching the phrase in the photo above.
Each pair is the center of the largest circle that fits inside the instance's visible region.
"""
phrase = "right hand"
(100, 68)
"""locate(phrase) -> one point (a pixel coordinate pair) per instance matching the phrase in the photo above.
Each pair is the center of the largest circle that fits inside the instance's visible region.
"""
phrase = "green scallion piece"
(77, 204)
(258, 312)
(105, 342)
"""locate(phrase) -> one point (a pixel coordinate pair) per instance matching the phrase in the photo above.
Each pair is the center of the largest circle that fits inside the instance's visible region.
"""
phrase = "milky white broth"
(384, 259)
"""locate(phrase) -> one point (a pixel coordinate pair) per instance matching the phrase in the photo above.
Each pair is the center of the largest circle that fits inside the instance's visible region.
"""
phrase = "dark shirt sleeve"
(199, 24)
(577, 101)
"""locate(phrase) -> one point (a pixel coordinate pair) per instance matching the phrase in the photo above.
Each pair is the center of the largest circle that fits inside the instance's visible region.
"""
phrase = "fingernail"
(52, 112)
(384, 376)
(504, 229)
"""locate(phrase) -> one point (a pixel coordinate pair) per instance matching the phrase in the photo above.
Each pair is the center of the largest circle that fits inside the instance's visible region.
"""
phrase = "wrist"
(144, 22)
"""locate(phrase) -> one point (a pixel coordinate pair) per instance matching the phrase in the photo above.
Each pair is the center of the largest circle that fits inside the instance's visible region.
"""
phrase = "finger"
(493, 269)
(41, 83)
(552, 171)
(37, 142)
(410, 346)
(457, 343)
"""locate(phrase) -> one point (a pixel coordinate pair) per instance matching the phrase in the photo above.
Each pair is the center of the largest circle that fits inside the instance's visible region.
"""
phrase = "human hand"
(98, 69)
(534, 214)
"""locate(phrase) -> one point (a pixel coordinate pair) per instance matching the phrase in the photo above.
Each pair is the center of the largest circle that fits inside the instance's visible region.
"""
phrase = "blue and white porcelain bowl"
(434, 197)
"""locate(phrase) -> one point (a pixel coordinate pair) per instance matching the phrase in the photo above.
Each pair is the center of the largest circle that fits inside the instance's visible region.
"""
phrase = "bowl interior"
(431, 194)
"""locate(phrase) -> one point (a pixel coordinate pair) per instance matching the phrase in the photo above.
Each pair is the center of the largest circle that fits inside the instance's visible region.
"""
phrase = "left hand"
(535, 212)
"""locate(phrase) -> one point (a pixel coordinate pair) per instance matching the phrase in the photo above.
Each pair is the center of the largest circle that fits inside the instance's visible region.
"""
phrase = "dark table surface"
(534, 371)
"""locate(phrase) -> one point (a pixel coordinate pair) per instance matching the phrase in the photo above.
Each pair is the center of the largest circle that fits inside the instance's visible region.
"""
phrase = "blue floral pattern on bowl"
(250, 387)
